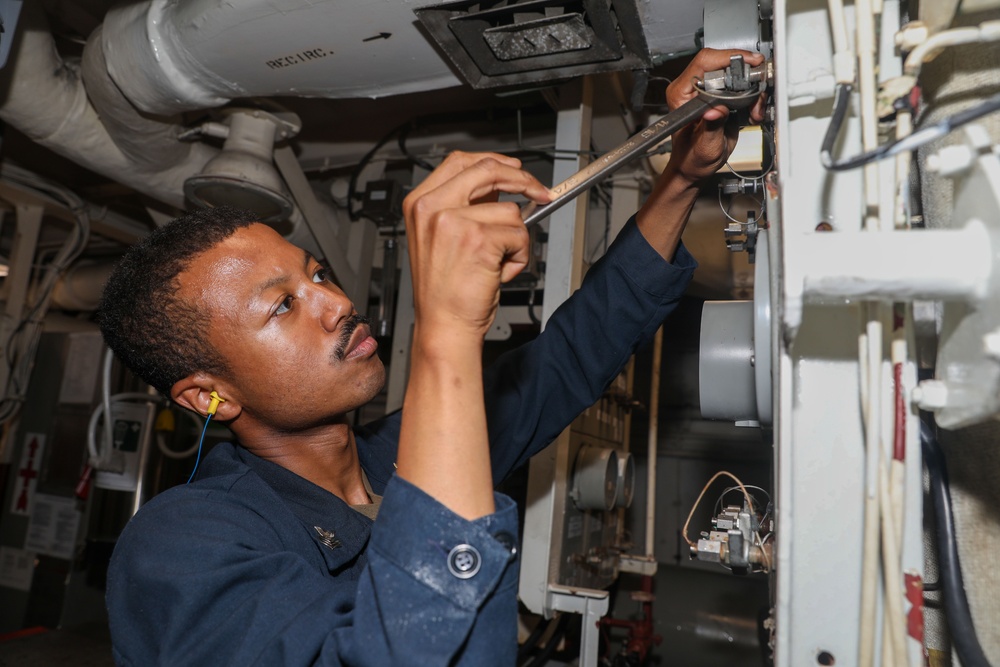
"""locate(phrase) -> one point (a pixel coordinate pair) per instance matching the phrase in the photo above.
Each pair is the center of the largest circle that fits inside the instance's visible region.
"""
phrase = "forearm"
(665, 213)
(698, 151)
(443, 444)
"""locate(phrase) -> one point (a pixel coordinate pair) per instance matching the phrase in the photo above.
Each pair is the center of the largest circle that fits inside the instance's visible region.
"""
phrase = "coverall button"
(508, 542)
(464, 561)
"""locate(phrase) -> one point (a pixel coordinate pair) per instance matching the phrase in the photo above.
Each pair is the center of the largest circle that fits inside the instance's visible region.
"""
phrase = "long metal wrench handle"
(611, 161)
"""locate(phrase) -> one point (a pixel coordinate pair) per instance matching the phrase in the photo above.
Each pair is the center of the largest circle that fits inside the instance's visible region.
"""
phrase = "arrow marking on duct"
(381, 35)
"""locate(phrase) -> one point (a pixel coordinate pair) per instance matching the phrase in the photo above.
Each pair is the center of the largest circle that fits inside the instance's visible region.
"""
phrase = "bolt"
(715, 80)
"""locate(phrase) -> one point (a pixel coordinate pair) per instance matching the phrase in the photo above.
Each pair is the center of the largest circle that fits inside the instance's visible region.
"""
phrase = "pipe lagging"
(939, 264)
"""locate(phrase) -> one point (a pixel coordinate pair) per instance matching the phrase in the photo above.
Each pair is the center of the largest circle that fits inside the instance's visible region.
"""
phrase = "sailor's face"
(296, 350)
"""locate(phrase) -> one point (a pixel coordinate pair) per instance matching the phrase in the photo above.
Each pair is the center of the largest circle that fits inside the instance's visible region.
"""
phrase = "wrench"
(639, 143)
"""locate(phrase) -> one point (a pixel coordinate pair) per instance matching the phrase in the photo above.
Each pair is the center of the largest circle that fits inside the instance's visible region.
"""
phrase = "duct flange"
(243, 173)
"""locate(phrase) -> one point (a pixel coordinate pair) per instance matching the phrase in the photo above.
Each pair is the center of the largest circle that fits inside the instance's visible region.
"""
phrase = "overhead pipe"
(82, 114)
(81, 286)
(44, 97)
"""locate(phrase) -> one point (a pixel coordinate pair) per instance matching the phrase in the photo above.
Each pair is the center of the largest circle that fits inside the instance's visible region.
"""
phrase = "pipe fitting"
(930, 395)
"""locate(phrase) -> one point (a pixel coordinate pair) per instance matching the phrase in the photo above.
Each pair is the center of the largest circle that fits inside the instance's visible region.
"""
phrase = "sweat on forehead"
(241, 268)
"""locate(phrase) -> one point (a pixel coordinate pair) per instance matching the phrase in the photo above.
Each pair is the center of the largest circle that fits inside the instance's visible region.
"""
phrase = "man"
(271, 556)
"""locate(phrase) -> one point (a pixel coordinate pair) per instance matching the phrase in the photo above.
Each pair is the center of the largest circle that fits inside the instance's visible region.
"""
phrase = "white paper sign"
(16, 568)
(83, 362)
(53, 526)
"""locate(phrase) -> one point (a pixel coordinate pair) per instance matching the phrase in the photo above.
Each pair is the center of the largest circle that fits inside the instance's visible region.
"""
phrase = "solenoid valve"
(734, 542)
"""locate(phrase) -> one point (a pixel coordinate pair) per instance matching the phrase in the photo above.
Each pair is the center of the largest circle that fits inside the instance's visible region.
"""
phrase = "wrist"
(677, 179)
(674, 190)
(447, 343)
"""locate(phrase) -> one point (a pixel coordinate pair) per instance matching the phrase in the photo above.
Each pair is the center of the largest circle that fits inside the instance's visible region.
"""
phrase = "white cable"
(161, 440)
(95, 460)
(988, 31)
(894, 620)
(20, 345)
(725, 211)
(108, 444)
(843, 58)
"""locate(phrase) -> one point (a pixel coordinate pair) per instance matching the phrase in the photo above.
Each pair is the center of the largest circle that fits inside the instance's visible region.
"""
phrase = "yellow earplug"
(214, 405)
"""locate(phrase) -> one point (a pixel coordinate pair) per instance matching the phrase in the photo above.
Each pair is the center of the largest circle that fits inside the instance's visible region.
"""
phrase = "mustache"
(352, 323)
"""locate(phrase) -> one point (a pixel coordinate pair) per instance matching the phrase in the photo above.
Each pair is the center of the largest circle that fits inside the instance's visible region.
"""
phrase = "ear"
(194, 392)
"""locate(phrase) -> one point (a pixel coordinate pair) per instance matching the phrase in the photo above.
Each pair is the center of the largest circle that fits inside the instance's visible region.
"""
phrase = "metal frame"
(820, 452)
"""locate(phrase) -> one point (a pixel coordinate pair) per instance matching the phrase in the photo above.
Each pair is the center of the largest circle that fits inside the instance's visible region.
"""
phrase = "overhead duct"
(169, 56)
(81, 114)
(92, 115)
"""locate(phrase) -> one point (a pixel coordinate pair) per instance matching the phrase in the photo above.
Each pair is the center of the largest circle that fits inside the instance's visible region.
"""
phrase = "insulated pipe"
(132, 131)
(945, 265)
(988, 31)
(81, 286)
(96, 126)
(651, 443)
(44, 98)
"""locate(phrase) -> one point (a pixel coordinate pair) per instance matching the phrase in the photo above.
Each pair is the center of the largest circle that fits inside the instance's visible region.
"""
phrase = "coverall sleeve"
(201, 580)
(535, 391)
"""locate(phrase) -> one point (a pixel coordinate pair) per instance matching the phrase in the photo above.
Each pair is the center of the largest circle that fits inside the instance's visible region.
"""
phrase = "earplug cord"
(201, 441)
(212, 407)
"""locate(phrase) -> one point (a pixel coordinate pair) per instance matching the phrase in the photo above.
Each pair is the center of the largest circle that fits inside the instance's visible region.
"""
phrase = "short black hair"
(159, 337)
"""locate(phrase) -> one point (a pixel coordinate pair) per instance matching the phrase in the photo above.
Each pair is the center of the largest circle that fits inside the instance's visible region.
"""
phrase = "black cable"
(401, 132)
(352, 185)
(552, 643)
(841, 100)
(956, 603)
(909, 143)
(401, 140)
(532, 641)
(531, 305)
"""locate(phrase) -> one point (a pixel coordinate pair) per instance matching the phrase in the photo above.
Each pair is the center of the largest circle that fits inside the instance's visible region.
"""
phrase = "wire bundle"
(20, 345)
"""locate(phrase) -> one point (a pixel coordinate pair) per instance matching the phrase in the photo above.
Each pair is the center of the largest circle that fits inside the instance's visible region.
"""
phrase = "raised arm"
(463, 244)
(534, 392)
(697, 152)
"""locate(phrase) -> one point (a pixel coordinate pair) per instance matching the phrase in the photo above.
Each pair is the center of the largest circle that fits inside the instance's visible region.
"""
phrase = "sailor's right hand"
(463, 243)
(702, 148)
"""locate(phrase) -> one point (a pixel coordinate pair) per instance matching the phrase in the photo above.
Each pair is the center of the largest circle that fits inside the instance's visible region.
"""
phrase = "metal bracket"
(592, 605)
(644, 565)
(742, 236)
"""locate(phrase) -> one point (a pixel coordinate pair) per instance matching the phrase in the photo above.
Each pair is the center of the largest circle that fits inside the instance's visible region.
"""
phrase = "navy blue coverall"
(253, 565)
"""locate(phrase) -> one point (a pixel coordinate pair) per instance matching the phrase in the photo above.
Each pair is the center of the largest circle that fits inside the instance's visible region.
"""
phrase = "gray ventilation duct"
(169, 56)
